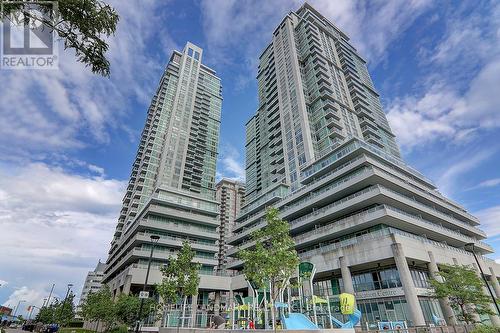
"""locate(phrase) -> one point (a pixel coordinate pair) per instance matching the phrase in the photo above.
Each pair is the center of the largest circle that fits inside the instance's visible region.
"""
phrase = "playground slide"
(297, 321)
(353, 320)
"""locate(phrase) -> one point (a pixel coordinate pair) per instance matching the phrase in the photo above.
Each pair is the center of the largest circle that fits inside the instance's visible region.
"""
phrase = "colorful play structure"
(297, 306)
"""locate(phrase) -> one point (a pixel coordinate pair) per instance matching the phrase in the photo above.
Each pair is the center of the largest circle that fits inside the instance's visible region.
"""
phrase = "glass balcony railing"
(333, 204)
(306, 187)
(435, 225)
(178, 239)
(437, 212)
(327, 227)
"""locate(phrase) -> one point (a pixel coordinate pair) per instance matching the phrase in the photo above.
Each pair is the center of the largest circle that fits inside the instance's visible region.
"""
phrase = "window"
(196, 55)
(190, 52)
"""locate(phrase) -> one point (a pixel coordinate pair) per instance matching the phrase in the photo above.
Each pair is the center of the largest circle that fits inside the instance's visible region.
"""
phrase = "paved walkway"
(15, 330)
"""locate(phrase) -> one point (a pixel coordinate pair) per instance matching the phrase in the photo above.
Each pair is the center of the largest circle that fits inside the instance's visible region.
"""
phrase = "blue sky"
(68, 138)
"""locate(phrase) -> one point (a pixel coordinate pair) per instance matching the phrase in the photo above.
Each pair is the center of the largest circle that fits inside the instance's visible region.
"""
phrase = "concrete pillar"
(346, 276)
(231, 307)
(416, 313)
(495, 320)
(494, 282)
(194, 307)
(127, 284)
(448, 313)
(217, 303)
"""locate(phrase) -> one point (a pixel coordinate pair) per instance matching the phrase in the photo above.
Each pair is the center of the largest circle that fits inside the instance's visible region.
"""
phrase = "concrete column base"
(416, 313)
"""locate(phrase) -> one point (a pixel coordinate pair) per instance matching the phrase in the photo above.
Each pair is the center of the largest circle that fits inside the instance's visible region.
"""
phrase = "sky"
(68, 138)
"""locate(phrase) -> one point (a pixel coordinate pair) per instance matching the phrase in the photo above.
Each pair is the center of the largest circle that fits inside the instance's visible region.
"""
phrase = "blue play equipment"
(297, 321)
(297, 313)
(353, 320)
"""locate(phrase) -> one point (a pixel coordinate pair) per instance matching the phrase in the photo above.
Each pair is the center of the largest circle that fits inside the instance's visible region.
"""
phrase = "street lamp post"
(154, 240)
(51, 290)
(61, 312)
(67, 292)
(17, 307)
(32, 307)
(483, 276)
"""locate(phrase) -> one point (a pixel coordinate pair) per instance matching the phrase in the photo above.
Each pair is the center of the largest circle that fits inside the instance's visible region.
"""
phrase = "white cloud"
(489, 220)
(27, 297)
(236, 35)
(450, 178)
(57, 224)
(487, 183)
(373, 25)
(460, 97)
(3, 283)
(441, 113)
(229, 164)
(67, 108)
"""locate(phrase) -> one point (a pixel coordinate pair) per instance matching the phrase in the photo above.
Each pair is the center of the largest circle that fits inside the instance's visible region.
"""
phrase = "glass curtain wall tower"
(320, 149)
(314, 92)
(171, 192)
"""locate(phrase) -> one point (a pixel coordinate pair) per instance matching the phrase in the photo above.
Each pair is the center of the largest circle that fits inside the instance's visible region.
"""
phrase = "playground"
(296, 307)
(292, 306)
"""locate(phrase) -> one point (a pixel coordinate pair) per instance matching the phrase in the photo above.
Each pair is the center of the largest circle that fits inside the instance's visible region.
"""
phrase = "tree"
(180, 278)
(64, 311)
(82, 24)
(273, 260)
(99, 307)
(464, 289)
(46, 314)
(127, 306)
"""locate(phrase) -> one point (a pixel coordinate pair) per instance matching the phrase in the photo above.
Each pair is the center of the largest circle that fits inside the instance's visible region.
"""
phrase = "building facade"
(320, 149)
(93, 282)
(230, 195)
(171, 192)
(314, 92)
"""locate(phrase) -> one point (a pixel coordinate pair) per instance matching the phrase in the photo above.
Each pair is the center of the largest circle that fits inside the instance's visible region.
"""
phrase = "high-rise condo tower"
(320, 149)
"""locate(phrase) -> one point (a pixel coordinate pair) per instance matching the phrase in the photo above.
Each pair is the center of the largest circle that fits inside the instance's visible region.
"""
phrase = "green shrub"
(119, 329)
(74, 330)
(485, 329)
(78, 324)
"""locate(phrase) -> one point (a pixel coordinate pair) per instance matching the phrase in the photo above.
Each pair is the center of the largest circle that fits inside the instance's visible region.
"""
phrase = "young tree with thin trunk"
(180, 278)
(99, 308)
(464, 289)
(273, 260)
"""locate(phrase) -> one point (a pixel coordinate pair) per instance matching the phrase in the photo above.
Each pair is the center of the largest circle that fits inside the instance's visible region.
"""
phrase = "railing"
(312, 195)
(327, 188)
(461, 223)
(179, 239)
(182, 225)
(201, 272)
(434, 225)
(328, 226)
(433, 195)
(350, 241)
(333, 204)
(307, 186)
(148, 250)
(381, 233)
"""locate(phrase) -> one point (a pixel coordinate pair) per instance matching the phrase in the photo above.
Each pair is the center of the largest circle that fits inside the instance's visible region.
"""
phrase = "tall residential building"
(93, 282)
(320, 150)
(171, 192)
(231, 197)
(314, 93)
